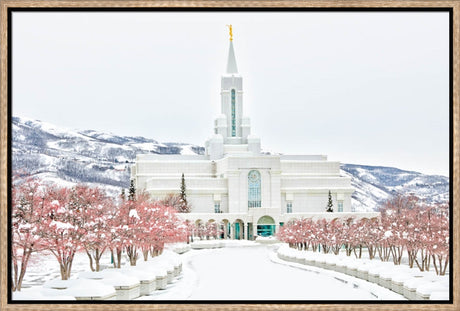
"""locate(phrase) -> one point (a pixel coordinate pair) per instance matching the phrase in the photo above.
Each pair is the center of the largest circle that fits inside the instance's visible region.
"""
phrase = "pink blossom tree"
(163, 226)
(189, 228)
(148, 226)
(27, 213)
(347, 236)
(405, 223)
(337, 236)
(285, 234)
(173, 200)
(93, 206)
(61, 230)
(117, 219)
(132, 231)
(370, 236)
(438, 246)
(324, 235)
(395, 218)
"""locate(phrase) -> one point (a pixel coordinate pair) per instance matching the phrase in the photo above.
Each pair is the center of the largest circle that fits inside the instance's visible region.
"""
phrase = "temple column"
(232, 231)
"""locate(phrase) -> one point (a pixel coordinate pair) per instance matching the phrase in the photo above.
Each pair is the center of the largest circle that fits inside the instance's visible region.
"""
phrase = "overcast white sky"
(364, 88)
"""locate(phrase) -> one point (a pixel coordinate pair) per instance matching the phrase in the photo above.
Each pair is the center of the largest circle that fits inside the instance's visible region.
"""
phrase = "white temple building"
(234, 183)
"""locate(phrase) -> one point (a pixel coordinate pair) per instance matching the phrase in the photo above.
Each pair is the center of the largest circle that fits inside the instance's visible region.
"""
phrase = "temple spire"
(231, 62)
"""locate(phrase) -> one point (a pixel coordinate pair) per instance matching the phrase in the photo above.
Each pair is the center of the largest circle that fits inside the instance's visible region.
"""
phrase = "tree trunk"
(97, 259)
(15, 276)
(412, 257)
(360, 248)
(348, 249)
(440, 264)
(424, 263)
(314, 247)
(372, 250)
(119, 258)
(113, 258)
(384, 253)
(397, 252)
(24, 262)
(90, 260)
(428, 262)
(63, 272)
(435, 265)
(446, 262)
(131, 251)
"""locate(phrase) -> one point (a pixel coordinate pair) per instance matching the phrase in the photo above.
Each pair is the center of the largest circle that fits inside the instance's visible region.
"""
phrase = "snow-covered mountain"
(375, 184)
(66, 157)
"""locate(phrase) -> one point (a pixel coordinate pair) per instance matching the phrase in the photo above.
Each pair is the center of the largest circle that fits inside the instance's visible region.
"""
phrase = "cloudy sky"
(362, 87)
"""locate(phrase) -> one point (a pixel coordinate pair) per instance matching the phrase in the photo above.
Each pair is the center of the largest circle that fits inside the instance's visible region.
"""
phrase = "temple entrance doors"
(249, 233)
(237, 230)
(266, 226)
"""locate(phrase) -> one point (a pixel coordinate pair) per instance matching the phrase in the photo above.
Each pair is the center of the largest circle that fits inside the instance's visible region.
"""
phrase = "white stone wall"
(167, 168)
(194, 184)
(321, 168)
(283, 203)
(347, 203)
(229, 179)
(233, 191)
(201, 203)
(243, 191)
(314, 202)
(224, 204)
(289, 182)
(275, 189)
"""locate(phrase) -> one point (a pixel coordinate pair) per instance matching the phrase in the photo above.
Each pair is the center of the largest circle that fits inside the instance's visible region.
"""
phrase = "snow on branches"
(27, 211)
(405, 225)
(63, 221)
(147, 225)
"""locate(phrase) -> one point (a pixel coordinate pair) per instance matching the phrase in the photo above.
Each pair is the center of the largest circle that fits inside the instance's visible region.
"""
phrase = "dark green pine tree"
(132, 191)
(184, 207)
(329, 203)
(123, 194)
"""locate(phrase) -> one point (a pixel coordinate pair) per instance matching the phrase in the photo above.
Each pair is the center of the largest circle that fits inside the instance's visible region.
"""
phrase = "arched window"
(233, 114)
(254, 189)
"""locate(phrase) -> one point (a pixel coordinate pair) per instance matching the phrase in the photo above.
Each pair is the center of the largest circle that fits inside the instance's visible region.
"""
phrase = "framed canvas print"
(229, 155)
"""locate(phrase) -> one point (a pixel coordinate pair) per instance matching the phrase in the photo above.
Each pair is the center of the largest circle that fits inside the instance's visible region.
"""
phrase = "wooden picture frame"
(5, 97)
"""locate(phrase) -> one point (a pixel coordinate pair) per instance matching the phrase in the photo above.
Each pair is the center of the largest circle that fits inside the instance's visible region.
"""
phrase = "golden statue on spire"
(230, 32)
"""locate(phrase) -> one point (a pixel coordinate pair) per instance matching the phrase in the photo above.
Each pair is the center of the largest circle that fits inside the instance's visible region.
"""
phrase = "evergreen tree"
(329, 203)
(184, 206)
(132, 191)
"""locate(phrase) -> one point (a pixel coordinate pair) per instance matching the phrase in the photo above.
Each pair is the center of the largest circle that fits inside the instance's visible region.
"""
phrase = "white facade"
(236, 184)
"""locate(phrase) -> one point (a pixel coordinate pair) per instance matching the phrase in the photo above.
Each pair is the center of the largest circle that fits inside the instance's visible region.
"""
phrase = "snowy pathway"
(247, 273)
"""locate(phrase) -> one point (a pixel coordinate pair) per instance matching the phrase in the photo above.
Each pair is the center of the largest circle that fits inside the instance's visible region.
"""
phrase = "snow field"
(126, 283)
(207, 244)
(240, 270)
(247, 270)
(410, 283)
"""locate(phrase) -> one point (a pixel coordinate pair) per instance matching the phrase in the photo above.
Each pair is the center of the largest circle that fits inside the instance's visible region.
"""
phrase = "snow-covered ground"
(409, 282)
(255, 273)
(240, 270)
